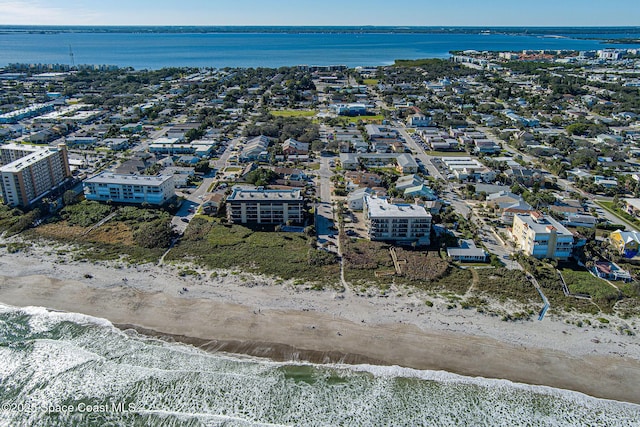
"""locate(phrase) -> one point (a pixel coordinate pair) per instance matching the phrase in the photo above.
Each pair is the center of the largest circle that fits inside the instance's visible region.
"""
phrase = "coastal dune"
(268, 328)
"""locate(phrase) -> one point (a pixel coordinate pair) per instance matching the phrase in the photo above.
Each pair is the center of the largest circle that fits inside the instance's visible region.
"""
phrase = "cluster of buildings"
(403, 163)
(400, 211)
(468, 169)
(455, 139)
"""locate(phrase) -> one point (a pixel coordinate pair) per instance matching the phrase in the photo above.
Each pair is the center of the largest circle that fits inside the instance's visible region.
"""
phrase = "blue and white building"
(541, 236)
(130, 189)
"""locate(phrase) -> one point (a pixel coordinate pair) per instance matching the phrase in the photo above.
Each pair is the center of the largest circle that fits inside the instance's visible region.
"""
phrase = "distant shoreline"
(365, 29)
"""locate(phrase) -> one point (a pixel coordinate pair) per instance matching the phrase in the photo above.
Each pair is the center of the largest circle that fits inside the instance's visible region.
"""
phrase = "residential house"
(419, 120)
(179, 130)
(355, 199)
(525, 176)
(136, 165)
(632, 206)
(291, 174)
(580, 220)
(421, 191)
(626, 242)
(181, 175)
(508, 212)
(403, 163)
(508, 204)
(467, 252)
(255, 149)
(211, 203)
(293, 147)
(408, 181)
(380, 131)
(466, 168)
(364, 179)
(610, 271)
(605, 182)
(486, 146)
(116, 144)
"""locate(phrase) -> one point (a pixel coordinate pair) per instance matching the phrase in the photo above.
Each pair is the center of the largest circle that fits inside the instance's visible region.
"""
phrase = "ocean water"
(154, 50)
(65, 369)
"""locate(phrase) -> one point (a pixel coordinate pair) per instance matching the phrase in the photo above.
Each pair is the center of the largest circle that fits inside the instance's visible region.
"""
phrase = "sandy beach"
(243, 313)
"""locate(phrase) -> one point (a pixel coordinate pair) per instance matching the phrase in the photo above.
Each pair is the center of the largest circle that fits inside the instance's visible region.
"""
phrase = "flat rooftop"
(28, 160)
(244, 194)
(542, 225)
(112, 178)
(381, 208)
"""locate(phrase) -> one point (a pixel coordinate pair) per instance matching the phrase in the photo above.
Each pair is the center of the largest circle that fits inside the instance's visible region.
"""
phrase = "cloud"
(33, 12)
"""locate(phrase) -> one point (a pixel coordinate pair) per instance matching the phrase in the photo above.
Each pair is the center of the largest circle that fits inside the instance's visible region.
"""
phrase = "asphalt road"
(324, 210)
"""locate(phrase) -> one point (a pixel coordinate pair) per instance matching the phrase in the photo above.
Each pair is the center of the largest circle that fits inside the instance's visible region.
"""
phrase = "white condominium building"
(131, 189)
(396, 222)
(265, 206)
(30, 172)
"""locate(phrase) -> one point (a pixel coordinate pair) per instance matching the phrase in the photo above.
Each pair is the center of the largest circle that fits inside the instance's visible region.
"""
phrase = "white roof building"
(396, 222)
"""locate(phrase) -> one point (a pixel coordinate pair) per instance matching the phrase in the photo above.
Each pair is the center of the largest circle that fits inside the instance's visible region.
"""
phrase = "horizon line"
(318, 26)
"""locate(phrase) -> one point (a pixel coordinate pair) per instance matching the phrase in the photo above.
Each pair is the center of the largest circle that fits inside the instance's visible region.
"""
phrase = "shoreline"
(258, 316)
(316, 337)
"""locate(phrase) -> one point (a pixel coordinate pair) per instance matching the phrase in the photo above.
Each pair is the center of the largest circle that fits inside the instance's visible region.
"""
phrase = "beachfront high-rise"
(259, 206)
(541, 236)
(31, 172)
(402, 223)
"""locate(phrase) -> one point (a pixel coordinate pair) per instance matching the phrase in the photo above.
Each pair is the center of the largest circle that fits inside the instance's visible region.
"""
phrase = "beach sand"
(243, 313)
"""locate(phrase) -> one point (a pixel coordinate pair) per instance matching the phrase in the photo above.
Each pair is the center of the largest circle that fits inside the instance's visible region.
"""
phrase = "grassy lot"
(369, 119)
(284, 255)
(447, 153)
(625, 217)
(457, 282)
(363, 258)
(371, 82)
(129, 235)
(293, 113)
(422, 266)
(580, 281)
(233, 169)
(113, 241)
(506, 285)
(551, 285)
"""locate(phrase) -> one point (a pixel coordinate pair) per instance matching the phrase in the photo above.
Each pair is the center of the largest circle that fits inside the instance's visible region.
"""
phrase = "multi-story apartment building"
(542, 236)
(396, 222)
(131, 189)
(30, 172)
(259, 206)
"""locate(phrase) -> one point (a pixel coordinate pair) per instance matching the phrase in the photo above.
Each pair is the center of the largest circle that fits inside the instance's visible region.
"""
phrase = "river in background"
(159, 49)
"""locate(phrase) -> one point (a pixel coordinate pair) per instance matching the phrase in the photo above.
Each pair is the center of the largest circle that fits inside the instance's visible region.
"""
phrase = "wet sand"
(267, 329)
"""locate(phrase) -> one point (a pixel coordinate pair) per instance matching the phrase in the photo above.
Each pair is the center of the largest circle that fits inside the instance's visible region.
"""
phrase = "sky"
(322, 12)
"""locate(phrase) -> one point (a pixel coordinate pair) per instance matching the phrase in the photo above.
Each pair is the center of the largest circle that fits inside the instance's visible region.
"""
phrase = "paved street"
(192, 201)
(324, 209)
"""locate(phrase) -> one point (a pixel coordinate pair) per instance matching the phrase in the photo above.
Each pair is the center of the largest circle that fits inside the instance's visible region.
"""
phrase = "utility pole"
(73, 61)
